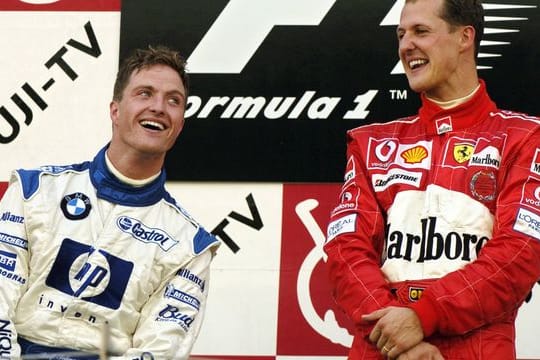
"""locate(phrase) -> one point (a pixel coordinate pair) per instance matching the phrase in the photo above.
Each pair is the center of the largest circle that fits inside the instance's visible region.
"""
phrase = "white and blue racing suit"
(82, 253)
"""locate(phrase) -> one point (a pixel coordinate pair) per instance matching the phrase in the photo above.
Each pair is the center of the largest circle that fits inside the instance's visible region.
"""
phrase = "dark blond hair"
(144, 58)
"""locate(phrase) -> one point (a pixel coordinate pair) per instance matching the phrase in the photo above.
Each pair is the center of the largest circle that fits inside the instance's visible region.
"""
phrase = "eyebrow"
(150, 87)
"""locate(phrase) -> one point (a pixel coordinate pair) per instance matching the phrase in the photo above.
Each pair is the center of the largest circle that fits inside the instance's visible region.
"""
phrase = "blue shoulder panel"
(31, 178)
(203, 240)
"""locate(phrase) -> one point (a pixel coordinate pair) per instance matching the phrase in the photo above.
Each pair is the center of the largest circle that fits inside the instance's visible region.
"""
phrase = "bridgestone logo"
(379, 183)
(382, 181)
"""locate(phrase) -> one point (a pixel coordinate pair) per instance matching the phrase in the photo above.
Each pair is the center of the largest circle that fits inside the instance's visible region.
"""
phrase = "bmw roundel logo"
(75, 206)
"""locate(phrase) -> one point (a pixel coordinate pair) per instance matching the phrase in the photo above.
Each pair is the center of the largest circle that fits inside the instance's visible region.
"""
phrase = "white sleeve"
(171, 319)
(14, 259)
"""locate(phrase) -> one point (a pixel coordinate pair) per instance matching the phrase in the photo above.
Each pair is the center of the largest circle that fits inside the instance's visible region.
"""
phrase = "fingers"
(386, 350)
(375, 335)
(382, 343)
(375, 315)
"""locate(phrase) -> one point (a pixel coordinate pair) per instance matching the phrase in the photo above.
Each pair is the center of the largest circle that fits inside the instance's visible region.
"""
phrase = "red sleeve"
(493, 286)
(355, 242)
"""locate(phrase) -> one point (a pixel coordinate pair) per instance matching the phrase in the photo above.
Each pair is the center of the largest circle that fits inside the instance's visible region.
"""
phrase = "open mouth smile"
(152, 125)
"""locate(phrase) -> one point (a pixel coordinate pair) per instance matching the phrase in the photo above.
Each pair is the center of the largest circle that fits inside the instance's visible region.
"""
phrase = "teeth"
(152, 124)
(415, 63)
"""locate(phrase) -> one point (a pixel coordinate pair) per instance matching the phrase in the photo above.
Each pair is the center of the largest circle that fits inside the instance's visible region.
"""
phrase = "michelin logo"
(176, 294)
(13, 240)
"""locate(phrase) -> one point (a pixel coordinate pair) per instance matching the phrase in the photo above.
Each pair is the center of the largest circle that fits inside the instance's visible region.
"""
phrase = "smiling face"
(438, 58)
(149, 116)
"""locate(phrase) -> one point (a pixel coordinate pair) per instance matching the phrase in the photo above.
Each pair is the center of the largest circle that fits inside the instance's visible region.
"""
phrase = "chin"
(418, 86)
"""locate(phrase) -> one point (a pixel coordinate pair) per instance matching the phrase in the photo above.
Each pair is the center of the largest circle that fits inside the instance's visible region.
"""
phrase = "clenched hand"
(397, 330)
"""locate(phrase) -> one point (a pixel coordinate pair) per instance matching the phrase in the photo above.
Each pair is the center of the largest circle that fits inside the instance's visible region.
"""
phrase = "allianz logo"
(145, 233)
(7, 216)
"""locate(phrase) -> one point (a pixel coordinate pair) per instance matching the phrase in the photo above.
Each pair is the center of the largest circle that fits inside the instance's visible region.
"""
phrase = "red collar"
(440, 121)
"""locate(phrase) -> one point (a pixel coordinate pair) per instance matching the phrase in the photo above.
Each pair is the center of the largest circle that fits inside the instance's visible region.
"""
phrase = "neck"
(455, 102)
(132, 165)
(125, 179)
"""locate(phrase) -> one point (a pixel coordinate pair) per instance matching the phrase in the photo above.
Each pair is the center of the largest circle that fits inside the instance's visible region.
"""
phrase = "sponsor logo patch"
(483, 186)
(346, 224)
(176, 294)
(172, 314)
(348, 200)
(444, 125)
(144, 233)
(431, 244)
(488, 156)
(93, 275)
(8, 260)
(463, 152)
(415, 293)
(75, 206)
(414, 155)
(8, 216)
(6, 337)
(528, 222)
(188, 275)
(395, 176)
(535, 165)
(350, 171)
(14, 240)
(381, 153)
(458, 152)
(530, 195)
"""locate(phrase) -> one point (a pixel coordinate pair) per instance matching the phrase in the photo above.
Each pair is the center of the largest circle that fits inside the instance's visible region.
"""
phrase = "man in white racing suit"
(98, 253)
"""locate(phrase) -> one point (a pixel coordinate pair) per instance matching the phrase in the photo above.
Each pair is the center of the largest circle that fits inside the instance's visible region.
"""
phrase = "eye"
(174, 100)
(145, 93)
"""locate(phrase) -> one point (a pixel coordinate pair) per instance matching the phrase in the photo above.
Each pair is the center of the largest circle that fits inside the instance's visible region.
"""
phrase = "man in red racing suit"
(439, 214)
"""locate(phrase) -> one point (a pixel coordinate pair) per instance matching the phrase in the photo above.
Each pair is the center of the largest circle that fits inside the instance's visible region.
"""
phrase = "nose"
(406, 42)
(157, 106)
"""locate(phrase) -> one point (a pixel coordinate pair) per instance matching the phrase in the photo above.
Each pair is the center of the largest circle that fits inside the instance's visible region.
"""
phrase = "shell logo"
(414, 155)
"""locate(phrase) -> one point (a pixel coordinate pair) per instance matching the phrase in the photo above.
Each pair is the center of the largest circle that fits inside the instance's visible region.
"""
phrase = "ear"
(114, 111)
(468, 35)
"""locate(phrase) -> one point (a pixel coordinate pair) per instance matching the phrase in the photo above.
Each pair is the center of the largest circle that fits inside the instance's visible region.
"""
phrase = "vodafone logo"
(531, 193)
(385, 150)
(535, 201)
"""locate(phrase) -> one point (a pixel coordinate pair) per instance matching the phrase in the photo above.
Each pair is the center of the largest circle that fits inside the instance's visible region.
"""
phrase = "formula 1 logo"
(260, 17)
(392, 19)
(229, 30)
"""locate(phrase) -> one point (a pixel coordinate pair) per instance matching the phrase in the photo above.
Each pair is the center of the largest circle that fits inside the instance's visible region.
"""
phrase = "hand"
(397, 330)
(422, 351)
